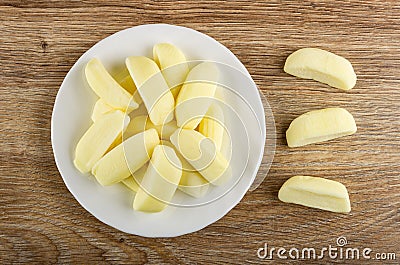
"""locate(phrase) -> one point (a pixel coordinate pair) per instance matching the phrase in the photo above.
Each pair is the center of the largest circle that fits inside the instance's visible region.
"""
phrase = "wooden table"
(40, 220)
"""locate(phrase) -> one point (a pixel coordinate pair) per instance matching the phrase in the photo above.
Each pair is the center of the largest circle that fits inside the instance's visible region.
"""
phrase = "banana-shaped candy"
(126, 158)
(98, 139)
(196, 95)
(322, 66)
(152, 88)
(141, 123)
(320, 125)
(173, 65)
(316, 192)
(160, 181)
(212, 125)
(201, 153)
(107, 88)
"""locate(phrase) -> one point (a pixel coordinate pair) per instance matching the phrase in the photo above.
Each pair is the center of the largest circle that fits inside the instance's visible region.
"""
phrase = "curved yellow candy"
(105, 86)
(98, 138)
(140, 123)
(317, 193)
(159, 182)
(320, 125)
(152, 88)
(322, 66)
(173, 65)
(191, 183)
(100, 108)
(196, 95)
(127, 82)
(133, 181)
(131, 154)
(212, 125)
(201, 153)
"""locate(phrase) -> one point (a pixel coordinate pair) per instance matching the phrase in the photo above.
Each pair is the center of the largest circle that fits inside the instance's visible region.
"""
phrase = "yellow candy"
(133, 181)
(322, 66)
(141, 123)
(212, 125)
(100, 108)
(196, 95)
(152, 88)
(159, 182)
(201, 153)
(320, 125)
(98, 138)
(127, 83)
(317, 193)
(105, 86)
(173, 65)
(191, 183)
(128, 156)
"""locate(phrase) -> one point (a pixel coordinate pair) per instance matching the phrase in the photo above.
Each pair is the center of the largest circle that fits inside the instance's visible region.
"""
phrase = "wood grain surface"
(42, 223)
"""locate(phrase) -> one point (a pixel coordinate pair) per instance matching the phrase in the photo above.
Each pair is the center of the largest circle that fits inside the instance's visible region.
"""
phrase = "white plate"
(113, 205)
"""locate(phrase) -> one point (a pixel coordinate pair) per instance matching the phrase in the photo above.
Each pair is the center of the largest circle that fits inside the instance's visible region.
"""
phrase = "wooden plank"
(41, 222)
